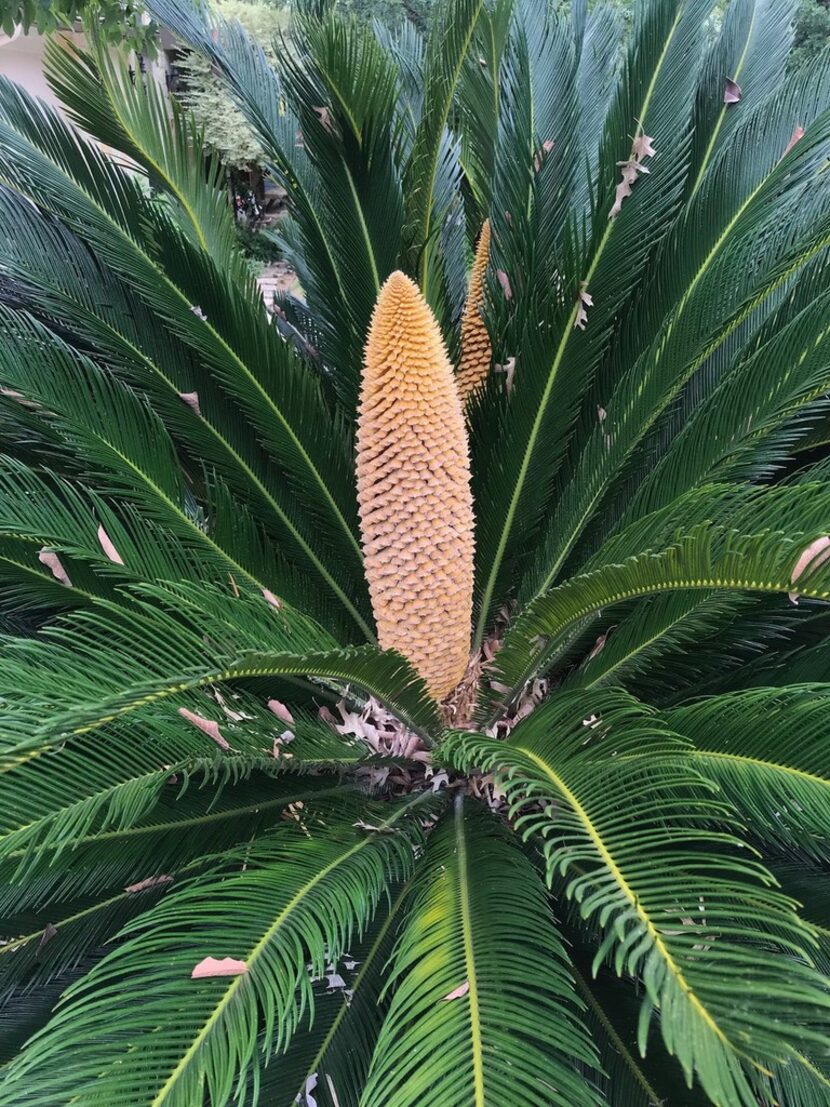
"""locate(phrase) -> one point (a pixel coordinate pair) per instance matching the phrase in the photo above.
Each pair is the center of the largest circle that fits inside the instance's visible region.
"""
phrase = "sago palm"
(416, 691)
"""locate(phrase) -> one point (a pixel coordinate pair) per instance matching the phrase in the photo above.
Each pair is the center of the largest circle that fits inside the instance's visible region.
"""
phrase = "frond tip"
(476, 351)
(413, 486)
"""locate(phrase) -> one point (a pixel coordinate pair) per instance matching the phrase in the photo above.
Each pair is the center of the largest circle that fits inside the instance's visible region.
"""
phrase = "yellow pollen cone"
(475, 341)
(413, 489)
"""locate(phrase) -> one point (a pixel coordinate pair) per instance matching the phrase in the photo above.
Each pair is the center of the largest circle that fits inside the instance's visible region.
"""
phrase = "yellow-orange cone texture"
(413, 487)
(476, 352)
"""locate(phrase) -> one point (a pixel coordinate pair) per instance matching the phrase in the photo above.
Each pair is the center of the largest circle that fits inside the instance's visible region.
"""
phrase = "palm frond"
(135, 118)
(175, 836)
(557, 359)
(294, 897)
(692, 307)
(478, 937)
(249, 360)
(764, 750)
(446, 53)
(608, 788)
(342, 1045)
(751, 50)
(710, 557)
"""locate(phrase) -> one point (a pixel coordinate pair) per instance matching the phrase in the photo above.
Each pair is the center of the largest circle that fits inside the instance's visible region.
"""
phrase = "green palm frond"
(765, 750)
(622, 813)
(452, 33)
(249, 360)
(751, 50)
(153, 131)
(709, 558)
(597, 871)
(342, 1044)
(182, 828)
(293, 890)
(630, 1079)
(478, 938)
(161, 641)
(652, 100)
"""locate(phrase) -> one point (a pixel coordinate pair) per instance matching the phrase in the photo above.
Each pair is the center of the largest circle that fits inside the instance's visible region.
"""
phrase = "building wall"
(21, 60)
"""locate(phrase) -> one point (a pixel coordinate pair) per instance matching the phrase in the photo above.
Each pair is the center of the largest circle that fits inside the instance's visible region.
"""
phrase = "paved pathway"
(276, 277)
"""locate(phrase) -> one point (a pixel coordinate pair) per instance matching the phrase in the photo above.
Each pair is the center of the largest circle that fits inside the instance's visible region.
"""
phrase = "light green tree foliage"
(225, 129)
(812, 30)
(120, 21)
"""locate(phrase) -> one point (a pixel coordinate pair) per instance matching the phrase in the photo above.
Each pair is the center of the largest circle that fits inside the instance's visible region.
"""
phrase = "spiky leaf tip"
(413, 481)
(476, 351)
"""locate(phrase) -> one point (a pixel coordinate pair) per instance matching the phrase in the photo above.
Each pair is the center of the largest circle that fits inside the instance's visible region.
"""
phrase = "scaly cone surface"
(413, 488)
(476, 351)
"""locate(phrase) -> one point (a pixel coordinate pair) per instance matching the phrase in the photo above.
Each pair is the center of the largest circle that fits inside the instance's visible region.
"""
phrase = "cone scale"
(413, 480)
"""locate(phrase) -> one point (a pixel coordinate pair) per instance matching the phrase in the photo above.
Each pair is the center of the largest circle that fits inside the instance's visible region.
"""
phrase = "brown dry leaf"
(52, 562)
(149, 882)
(623, 191)
(810, 559)
(281, 711)
(208, 726)
(192, 401)
(509, 369)
(544, 149)
(732, 92)
(504, 281)
(602, 414)
(271, 598)
(325, 117)
(585, 300)
(49, 932)
(108, 548)
(797, 135)
(458, 992)
(598, 646)
(225, 966)
(642, 148)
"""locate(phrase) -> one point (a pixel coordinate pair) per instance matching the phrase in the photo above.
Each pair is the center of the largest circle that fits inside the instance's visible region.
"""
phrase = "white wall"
(21, 60)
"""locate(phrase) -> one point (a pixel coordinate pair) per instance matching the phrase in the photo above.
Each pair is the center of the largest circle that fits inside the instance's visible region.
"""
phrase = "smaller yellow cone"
(475, 341)
(413, 489)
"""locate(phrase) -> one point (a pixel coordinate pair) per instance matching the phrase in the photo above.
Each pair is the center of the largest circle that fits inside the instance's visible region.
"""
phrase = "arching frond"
(309, 888)
(710, 558)
(244, 352)
(765, 749)
(614, 797)
(162, 640)
(478, 938)
(136, 118)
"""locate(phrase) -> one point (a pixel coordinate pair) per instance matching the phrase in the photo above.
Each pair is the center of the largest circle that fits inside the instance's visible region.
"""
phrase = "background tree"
(225, 129)
(812, 31)
(121, 22)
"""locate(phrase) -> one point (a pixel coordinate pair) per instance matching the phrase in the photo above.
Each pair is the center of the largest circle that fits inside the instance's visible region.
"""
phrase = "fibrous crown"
(413, 480)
